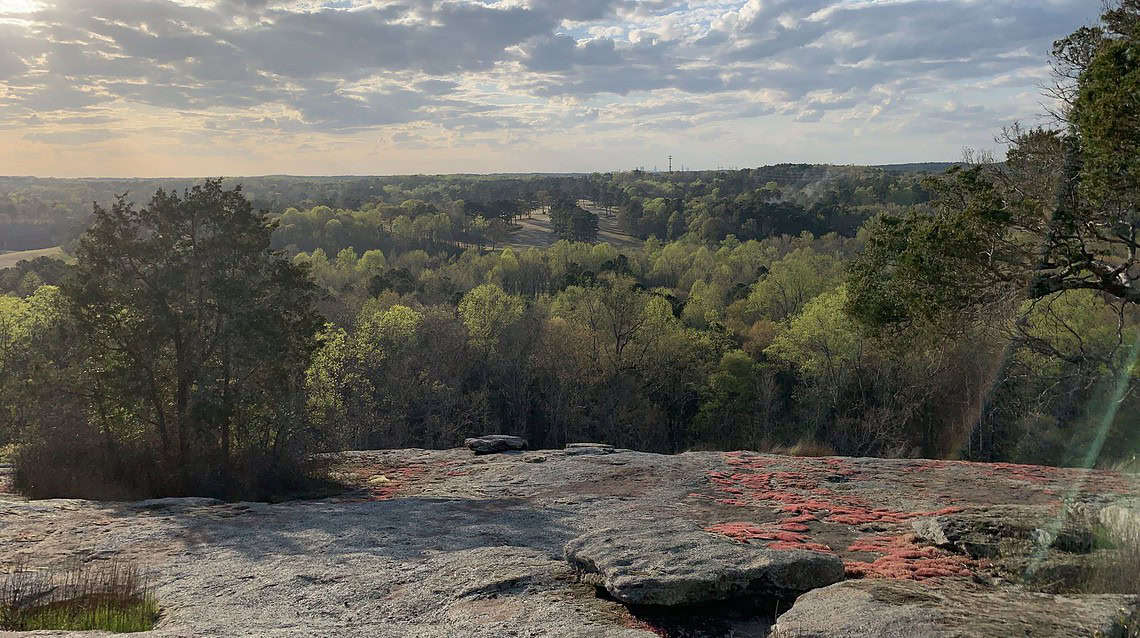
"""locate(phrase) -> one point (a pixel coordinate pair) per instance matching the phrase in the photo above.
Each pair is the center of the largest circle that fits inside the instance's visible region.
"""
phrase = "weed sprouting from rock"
(113, 597)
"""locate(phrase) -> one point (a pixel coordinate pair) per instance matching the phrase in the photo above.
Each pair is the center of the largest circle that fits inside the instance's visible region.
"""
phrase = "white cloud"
(535, 74)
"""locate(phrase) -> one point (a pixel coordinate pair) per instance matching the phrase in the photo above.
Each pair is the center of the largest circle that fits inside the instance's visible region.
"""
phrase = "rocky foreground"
(591, 541)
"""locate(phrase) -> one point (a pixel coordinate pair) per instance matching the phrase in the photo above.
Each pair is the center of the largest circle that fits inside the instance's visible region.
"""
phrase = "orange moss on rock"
(902, 558)
(800, 491)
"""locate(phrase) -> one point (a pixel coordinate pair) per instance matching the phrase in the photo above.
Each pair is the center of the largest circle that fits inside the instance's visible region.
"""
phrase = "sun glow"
(18, 6)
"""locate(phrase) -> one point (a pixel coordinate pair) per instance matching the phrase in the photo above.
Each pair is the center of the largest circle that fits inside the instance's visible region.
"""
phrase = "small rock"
(535, 459)
(378, 479)
(494, 443)
(676, 563)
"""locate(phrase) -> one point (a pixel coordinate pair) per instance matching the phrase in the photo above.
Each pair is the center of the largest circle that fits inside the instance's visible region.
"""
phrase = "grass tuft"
(112, 597)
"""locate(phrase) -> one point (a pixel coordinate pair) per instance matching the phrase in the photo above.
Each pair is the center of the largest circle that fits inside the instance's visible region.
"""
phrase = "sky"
(150, 88)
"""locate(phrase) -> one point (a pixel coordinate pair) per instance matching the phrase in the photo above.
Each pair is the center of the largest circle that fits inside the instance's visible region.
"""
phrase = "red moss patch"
(800, 492)
(903, 559)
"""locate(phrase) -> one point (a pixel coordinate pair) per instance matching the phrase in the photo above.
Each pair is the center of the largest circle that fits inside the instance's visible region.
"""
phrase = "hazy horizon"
(456, 174)
(377, 87)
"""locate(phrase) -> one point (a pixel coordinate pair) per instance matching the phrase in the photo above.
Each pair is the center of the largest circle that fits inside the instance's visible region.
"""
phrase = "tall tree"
(206, 332)
(1060, 214)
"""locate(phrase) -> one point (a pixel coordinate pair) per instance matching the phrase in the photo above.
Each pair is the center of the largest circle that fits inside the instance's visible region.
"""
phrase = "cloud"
(459, 71)
(71, 138)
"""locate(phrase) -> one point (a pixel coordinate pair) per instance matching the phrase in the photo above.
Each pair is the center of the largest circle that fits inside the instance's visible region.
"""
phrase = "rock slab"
(881, 608)
(582, 449)
(495, 443)
(674, 563)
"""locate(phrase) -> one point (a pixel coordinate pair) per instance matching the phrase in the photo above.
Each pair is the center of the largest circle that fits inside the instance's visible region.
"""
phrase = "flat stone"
(494, 443)
(588, 449)
(173, 503)
(881, 608)
(673, 563)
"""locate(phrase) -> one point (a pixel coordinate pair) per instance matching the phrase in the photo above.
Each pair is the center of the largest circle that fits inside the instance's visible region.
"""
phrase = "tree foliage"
(1061, 213)
(196, 339)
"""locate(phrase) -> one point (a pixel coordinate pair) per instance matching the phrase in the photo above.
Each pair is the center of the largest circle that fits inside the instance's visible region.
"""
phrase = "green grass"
(87, 615)
(110, 597)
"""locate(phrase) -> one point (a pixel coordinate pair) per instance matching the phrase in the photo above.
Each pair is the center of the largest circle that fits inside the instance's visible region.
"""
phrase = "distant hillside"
(918, 167)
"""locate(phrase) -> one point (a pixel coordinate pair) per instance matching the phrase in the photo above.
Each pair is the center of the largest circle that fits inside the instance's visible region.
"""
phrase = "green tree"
(573, 223)
(488, 312)
(38, 354)
(204, 335)
(821, 341)
(791, 283)
(1060, 214)
(738, 406)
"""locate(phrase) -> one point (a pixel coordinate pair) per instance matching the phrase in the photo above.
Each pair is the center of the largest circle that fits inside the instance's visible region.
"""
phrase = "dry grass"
(10, 259)
(111, 597)
(1115, 569)
(1128, 466)
(805, 447)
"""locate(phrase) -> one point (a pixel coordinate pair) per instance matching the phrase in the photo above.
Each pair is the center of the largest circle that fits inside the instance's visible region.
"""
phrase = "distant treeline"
(750, 203)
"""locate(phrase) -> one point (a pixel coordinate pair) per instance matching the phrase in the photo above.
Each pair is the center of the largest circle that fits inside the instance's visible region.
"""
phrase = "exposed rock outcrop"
(904, 609)
(675, 563)
(446, 544)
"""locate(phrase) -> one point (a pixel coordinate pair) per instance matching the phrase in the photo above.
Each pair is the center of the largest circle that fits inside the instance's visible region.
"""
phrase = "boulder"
(881, 608)
(494, 443)
(674, 563)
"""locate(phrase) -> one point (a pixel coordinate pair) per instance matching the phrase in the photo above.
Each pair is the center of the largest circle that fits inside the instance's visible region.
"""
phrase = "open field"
(537, 230)
(7, 260)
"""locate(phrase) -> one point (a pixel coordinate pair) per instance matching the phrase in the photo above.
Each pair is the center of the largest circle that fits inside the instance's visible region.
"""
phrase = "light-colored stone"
(954, 609)
(459, 546)
(670, 563)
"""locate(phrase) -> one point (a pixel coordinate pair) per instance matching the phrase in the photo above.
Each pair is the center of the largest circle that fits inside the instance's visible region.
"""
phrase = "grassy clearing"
(7, 260)
(111, 597)
(537, 231)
